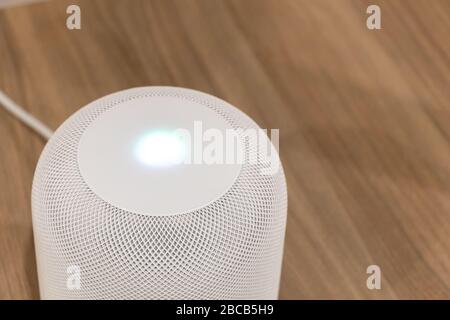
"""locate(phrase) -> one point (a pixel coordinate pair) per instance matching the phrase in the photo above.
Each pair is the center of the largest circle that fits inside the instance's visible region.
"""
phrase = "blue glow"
(160, 149)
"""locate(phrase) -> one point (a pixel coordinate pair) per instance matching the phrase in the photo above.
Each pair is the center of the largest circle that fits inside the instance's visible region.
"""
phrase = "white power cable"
(24, 116)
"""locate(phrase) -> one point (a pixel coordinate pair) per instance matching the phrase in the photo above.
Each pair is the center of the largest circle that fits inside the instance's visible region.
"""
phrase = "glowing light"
(160, 149)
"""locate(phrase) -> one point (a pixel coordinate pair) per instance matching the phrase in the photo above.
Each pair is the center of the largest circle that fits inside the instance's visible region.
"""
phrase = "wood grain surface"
(364, 119)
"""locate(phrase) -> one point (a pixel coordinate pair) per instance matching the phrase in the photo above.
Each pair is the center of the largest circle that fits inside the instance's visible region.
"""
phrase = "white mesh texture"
(230, 249)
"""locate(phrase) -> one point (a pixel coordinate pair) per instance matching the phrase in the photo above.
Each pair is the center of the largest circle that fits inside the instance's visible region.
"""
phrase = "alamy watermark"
(212, 146)
(373, 22)
(73, 281)
(374, 280)
(73, 21)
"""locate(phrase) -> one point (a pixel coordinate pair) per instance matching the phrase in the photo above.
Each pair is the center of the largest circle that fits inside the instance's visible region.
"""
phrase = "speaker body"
(108, 226)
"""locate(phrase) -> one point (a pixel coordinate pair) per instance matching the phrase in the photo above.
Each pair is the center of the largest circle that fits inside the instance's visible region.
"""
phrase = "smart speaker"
(123, 208)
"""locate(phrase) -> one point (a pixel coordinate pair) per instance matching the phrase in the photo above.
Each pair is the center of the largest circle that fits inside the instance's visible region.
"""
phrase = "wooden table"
(364, 118)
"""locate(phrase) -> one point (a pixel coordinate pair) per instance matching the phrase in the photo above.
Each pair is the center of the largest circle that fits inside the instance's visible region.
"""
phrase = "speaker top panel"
(159, 155)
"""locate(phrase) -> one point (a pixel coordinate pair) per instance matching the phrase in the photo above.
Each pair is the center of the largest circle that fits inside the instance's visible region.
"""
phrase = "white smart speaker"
(136, 196)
